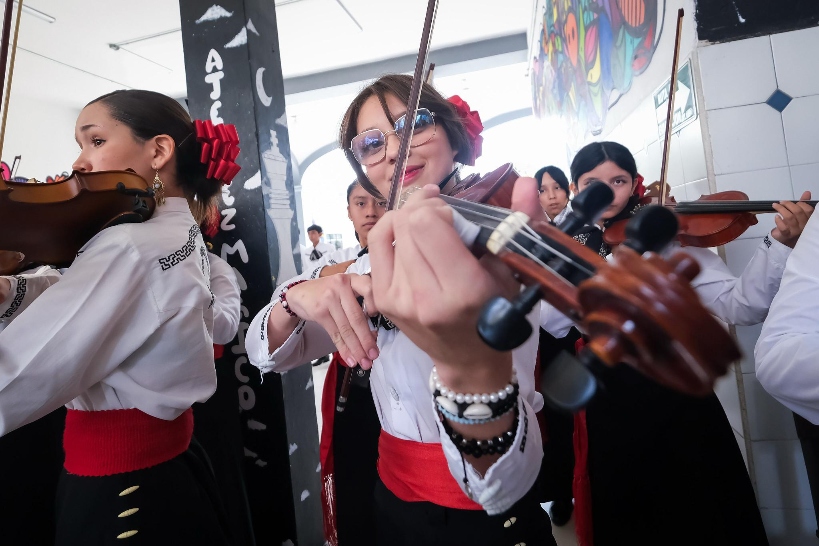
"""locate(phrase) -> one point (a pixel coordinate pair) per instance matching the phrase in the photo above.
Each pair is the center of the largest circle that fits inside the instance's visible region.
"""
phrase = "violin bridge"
(506, 231)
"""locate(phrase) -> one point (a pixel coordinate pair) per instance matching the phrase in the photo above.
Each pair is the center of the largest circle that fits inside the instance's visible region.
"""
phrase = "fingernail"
(351, 362)
(373, 353)
(366, 363)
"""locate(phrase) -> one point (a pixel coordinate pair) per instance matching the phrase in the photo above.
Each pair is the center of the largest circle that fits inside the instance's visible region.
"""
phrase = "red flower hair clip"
(639, 189)
(220, 147)
(472, 123)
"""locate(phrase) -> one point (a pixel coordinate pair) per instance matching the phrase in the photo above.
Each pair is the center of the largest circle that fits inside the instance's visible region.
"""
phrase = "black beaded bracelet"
(478, 448)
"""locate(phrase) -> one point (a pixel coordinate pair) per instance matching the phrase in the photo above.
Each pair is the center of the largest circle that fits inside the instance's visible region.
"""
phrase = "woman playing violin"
(665, 467)
(433, 288)
(124, 340)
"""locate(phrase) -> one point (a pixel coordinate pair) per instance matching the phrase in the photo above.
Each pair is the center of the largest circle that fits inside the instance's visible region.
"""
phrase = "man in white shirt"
(787, 351)
(318, 249)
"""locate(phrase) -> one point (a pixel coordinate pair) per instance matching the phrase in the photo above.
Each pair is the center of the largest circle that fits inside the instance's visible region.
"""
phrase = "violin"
(50, 223)
(712, 220)
(640, 310)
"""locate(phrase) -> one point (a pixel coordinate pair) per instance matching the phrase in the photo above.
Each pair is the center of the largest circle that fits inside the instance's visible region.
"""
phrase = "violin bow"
(669, 119)
(418, 80)
(4, 51)
(412, 106)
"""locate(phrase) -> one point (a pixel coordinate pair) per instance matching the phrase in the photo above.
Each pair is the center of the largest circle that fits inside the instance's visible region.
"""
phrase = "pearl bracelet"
(478, 408)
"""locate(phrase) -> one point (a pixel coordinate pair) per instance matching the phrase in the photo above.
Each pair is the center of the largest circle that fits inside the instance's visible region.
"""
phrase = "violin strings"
(528, 233)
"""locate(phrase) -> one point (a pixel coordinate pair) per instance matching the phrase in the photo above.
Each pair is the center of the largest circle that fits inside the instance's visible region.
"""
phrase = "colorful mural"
(587, 55)
(5, 172)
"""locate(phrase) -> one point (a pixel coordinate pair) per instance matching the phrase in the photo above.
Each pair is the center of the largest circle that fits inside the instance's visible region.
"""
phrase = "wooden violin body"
(50, 223)
(699, 229)
(640, 310)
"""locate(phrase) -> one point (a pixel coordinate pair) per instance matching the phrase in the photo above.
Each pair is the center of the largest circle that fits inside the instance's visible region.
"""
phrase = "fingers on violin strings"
(450, 263)
(525, 198)
(415, 255)
(793, 214)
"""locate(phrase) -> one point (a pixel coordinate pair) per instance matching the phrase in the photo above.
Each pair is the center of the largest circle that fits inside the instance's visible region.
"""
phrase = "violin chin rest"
(124, 218)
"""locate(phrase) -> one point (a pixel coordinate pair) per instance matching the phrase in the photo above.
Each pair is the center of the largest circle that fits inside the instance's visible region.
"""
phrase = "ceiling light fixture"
(38, 14)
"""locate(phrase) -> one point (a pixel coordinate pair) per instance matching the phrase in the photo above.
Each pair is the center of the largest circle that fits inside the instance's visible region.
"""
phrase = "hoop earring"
(159, 190)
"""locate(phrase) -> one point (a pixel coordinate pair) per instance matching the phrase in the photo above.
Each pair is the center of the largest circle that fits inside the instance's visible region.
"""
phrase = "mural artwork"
(587, 55)
(6, 173)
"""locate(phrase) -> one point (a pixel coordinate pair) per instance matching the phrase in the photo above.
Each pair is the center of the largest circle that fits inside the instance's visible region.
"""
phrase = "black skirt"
(402, 523)
(31, 459)
(665, 468)
(173, 503)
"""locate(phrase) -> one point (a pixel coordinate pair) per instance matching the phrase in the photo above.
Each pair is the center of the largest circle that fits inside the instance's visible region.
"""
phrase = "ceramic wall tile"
(801, 122)
(795, 61)
(781, 478)
(767, 418)
(747, 138)
(737, 73)
(790, 527)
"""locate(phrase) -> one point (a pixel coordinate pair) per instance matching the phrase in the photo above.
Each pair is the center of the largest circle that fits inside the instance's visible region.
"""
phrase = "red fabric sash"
(416, 472)
(581, 485)
(103, 443)
(328, 484)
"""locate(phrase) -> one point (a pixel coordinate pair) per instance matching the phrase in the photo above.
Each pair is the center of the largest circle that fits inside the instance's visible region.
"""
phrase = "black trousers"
(403, 523)
(355, 456)
(808, 434)
(173, 503)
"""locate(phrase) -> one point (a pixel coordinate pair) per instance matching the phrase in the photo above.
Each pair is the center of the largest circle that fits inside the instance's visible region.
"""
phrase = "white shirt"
(25, 288)
(787, 351)
(400, 388)
(312, 269)
(227, 303)
(129, 325)
(322, 248)
(739, 300)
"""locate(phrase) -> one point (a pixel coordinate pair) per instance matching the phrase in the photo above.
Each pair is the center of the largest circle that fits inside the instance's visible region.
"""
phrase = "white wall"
(43, 134)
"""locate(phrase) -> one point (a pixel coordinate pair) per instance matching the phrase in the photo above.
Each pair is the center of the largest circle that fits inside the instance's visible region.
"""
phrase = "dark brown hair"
(399, 85)
(592, 155)
(149, 114)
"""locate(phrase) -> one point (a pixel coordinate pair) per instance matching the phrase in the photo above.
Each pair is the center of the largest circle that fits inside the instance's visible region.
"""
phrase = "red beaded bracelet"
(283, 297)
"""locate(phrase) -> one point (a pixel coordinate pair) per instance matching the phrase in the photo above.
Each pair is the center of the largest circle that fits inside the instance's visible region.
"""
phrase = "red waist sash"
(103, 443)
(416, 472)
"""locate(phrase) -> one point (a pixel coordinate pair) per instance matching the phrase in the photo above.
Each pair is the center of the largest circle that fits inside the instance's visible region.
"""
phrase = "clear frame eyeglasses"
(370, 147)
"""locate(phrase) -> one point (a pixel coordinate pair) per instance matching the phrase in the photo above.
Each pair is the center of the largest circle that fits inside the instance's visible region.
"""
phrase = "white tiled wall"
(770, 156)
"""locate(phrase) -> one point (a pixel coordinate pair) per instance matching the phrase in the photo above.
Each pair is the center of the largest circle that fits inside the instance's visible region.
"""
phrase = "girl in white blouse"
(125, 341)
(429, 493)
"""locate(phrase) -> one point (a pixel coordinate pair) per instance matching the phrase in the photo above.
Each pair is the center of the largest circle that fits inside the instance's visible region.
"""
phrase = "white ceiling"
(70, 62)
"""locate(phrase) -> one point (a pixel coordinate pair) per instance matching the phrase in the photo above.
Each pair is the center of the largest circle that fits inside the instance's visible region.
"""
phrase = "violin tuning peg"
(587, 206)
(503, 324)
(567, 384)
(651, 229)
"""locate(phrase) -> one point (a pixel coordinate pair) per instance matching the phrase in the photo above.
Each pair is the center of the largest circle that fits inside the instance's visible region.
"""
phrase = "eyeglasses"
(370, 147)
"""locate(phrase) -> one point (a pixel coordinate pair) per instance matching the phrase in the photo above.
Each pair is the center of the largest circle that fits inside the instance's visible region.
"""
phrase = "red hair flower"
(220, 147)
(639, 189)
(472, 123)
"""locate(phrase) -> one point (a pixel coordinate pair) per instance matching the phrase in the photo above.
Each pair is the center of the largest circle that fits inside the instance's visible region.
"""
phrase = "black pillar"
(234, 75)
